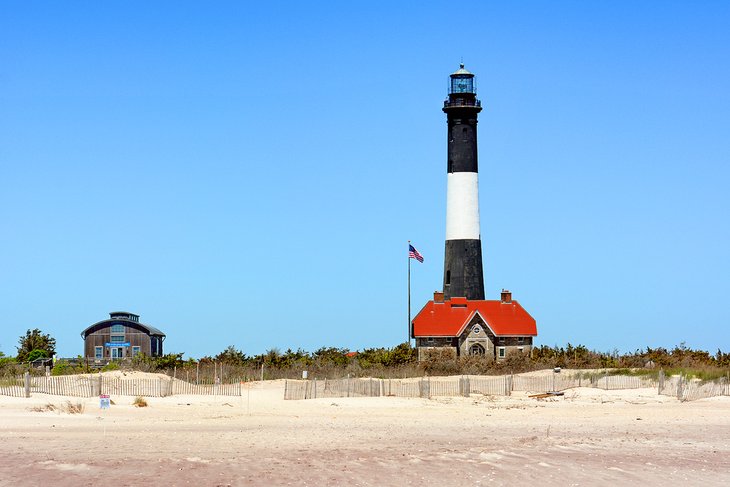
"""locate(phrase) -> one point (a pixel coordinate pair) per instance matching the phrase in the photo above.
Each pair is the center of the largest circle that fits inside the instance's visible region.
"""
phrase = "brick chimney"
(506, 296)
(438, 296)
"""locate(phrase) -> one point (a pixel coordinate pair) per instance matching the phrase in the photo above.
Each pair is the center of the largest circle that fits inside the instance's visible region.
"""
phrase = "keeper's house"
(121, 336)
(459, 326)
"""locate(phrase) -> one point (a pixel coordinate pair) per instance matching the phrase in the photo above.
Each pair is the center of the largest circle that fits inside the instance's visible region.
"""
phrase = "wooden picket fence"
(94, 385)
(428, 387)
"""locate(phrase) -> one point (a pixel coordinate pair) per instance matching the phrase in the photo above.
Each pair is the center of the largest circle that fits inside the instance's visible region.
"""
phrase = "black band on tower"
(463, 274)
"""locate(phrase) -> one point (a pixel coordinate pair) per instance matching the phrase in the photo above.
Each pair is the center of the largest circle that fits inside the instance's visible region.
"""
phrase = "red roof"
(451, 317)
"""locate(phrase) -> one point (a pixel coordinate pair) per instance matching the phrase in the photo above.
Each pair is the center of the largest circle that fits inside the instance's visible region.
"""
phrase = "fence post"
(26, 383)
(100, 384)
(679, 388)
(425, 388)
(661, 381)
(315, 388)
(172, 386)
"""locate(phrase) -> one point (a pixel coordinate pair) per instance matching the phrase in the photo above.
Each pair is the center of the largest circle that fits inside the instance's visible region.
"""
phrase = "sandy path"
(590, 437)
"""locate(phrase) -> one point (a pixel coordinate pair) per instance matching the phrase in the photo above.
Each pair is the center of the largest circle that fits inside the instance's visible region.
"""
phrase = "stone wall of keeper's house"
(512, 345)
(477, 333)
(435, 342)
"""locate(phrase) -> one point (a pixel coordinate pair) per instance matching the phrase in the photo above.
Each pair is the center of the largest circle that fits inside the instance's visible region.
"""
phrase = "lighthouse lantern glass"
(462, 84)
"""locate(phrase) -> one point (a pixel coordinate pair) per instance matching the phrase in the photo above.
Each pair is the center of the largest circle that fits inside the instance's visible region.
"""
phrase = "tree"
(231, 356)
(35, 340)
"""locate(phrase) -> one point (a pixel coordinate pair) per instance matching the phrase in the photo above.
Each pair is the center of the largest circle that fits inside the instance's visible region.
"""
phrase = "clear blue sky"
(248, 173)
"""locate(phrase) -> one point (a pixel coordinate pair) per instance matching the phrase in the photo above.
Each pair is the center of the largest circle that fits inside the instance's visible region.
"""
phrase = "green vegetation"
(581, 358)
(6, 361)
(9, 367)
(63, 368)
(232, 364)
(110, 367)
(35, 344)
(170, 361)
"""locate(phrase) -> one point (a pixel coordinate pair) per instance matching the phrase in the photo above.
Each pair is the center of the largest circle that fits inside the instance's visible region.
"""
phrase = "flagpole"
(409, 294)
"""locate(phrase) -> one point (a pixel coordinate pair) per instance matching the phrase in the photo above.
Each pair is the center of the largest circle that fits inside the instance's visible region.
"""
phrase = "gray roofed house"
(121, 336)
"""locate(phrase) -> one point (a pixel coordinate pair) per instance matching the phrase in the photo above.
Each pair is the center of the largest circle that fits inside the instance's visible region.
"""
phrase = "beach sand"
(587, 437)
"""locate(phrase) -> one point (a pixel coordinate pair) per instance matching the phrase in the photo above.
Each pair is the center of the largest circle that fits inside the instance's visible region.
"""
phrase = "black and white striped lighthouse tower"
(463, 274)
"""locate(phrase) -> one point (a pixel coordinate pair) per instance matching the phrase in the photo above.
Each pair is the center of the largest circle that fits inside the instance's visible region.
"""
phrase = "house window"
(501, 340)
(520, 339)
(98, 353)
(136, 351)
(501, 352)
(429, 339)
(117, 329)
(117, 339)
(520, 349)
(448, 277)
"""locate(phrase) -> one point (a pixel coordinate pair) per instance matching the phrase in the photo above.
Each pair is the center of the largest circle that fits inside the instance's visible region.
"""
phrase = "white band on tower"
(462, 206)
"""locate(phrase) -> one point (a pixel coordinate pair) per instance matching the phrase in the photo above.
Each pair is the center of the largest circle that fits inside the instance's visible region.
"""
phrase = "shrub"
(140, 402)
(110, 366)
(62, 368)
(73, 408)
(6, 362)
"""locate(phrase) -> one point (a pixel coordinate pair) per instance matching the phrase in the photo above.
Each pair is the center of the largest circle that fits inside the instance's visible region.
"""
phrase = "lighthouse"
(459, 321)
(463, 274)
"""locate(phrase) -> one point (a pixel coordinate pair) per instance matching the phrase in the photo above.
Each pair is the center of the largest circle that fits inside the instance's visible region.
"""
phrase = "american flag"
(414, 254)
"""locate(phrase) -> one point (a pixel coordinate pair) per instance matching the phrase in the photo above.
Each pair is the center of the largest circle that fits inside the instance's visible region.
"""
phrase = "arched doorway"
(476, 349)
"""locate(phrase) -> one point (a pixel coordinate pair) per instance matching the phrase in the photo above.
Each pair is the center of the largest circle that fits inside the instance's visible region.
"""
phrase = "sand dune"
(587, 437)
